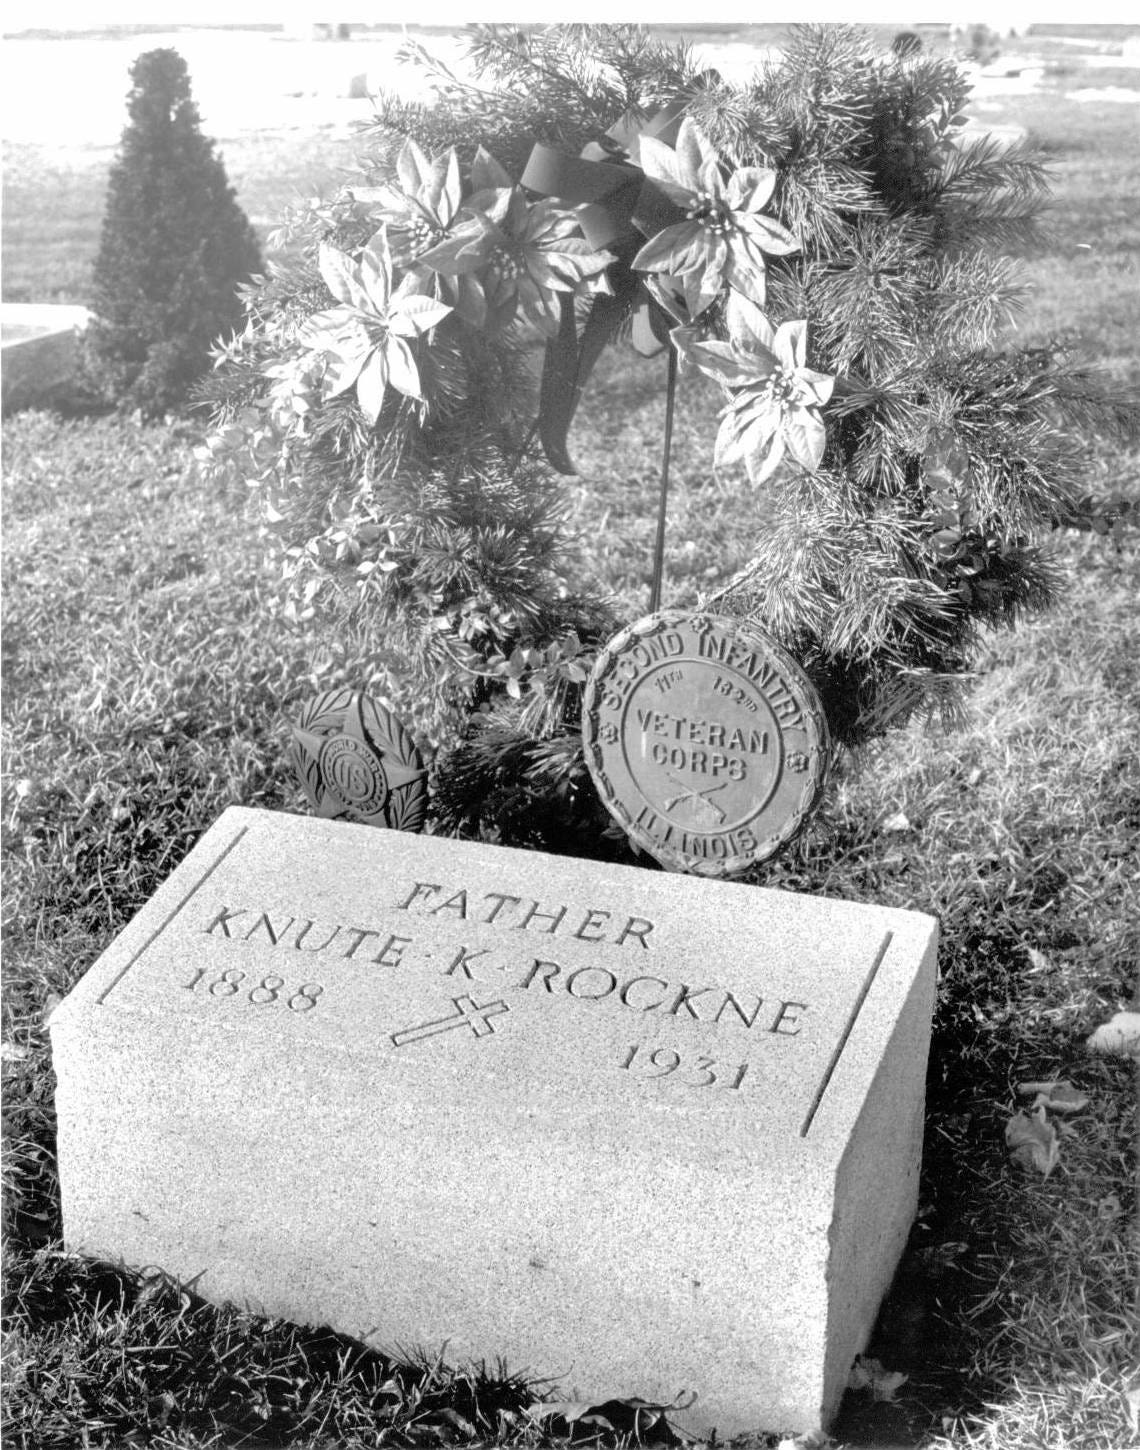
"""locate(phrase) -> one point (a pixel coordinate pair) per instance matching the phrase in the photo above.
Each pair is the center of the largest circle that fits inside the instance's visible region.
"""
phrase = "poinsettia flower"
(775, 396)
(420, 202)
(516, 255)
(366, 337)
(724, 236)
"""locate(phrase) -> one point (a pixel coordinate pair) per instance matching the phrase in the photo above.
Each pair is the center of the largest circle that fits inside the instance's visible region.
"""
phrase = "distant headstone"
(705, 740)
(38, 353)
(643, 1134)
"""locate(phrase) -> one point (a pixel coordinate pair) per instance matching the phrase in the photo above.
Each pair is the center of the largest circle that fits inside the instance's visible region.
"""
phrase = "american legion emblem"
(356, 762)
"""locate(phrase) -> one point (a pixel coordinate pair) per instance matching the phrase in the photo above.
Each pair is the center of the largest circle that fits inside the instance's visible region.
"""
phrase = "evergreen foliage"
(831, 252)
(174, 247)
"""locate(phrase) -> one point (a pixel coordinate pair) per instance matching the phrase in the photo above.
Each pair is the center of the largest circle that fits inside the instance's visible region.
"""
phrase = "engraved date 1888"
(270, 990)
(695, 1071)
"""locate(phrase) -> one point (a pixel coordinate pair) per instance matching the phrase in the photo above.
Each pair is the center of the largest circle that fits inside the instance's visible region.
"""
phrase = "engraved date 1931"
(693, 1071)
(266, 993)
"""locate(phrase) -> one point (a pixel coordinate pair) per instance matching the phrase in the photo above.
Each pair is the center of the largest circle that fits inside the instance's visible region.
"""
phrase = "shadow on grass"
(129, 1356)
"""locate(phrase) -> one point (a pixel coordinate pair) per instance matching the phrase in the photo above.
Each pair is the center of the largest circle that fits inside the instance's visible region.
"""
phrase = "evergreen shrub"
(173, 249)
(820, 241)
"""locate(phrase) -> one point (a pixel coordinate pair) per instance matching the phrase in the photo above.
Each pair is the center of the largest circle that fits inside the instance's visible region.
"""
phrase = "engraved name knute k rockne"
(641, 987)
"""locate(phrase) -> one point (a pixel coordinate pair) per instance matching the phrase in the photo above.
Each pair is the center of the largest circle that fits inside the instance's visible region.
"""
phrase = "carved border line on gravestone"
(713, 788)
(845, 1035)
(135, 956)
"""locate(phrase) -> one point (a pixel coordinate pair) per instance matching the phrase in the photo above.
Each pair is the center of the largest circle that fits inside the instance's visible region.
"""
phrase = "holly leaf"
(1032, 1142)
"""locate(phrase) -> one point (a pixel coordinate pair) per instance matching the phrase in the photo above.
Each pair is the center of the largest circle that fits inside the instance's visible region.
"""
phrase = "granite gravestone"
(645, 1133)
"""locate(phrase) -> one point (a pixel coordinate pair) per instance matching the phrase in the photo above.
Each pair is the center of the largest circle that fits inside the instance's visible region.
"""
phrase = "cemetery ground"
(149, 683)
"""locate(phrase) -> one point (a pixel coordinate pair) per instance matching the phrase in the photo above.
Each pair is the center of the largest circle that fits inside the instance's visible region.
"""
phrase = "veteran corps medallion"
(706, 741)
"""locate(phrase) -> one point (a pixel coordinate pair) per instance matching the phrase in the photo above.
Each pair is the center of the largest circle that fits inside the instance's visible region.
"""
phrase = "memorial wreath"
(822, 242)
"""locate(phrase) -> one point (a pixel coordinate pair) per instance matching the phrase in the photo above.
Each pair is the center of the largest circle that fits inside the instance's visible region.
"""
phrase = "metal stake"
(659, 548)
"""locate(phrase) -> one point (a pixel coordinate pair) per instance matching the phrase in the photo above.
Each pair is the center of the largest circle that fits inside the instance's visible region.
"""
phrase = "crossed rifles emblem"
(697, 798)
(467, 1014)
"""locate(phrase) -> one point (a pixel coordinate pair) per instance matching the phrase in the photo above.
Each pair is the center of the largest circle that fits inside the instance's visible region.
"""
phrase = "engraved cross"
(466, 1014)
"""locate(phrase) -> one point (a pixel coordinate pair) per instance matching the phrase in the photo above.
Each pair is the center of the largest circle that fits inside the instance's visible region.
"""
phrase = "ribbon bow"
(617, 207)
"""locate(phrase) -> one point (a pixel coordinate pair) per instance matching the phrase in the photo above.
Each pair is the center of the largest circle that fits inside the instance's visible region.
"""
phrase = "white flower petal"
(371, 386)
(748, 327)
(760, 470)
(806, 437)
(745, 434)
(708, 175)
(750, 188)
(402, 371)
(414, 315)
(745, 269)
(767, 234)
(818, 386)
(694, 149)
(661, 163)
(376, 270)
(791, 345)
(342, 276)
(412, 167)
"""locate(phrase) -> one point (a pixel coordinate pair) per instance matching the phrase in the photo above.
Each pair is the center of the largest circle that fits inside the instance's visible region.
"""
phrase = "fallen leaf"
(1119, 1036)
(461, 1423)
(900, 821)
(809, 1440)
(640, 1419)
(1032, 1142)
(1059, 1095)
(869, 1374)
(1109, 1206)
(1038, 960)
(10, 1052)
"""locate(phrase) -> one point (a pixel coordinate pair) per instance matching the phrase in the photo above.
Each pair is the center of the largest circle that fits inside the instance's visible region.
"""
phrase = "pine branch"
(971, 297)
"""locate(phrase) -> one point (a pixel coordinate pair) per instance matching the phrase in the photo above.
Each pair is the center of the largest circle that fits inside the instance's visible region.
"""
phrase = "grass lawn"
(149, 681)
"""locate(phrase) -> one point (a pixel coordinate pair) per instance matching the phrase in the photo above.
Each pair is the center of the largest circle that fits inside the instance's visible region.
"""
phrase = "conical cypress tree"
(174, 246)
